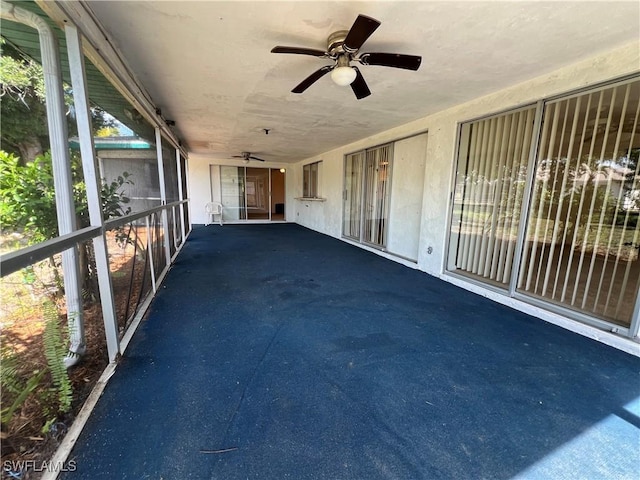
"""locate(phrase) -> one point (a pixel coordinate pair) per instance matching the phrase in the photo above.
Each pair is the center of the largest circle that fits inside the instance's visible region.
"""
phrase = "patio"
(273, 351)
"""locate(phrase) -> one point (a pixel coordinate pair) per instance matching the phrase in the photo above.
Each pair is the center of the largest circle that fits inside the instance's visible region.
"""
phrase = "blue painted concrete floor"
(276, 352)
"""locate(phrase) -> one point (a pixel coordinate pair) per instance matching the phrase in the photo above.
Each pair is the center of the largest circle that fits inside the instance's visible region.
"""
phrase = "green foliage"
(20, 77)
(27, 205)
(27, 196)
(23, 110)
(561, 195)
(24, 126)
(54, 392)
(55, 350)
(107, 131)
(113, 198)
(13, 384)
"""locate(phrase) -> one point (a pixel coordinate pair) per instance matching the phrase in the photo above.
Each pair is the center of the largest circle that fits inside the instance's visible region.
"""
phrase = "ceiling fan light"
(343, 76)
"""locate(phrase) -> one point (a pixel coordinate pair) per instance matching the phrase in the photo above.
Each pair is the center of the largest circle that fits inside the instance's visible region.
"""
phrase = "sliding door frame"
(511, 290)
(365, 192)
(526, 199)
(244, 210)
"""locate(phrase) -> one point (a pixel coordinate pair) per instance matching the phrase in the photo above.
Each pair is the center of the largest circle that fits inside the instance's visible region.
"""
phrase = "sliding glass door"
(232, 189)
(352, 207)
(249, 193)
(583, 236)
(257, 189)
(366, 195)
(577, 247)
(376, 195)
(492, 171)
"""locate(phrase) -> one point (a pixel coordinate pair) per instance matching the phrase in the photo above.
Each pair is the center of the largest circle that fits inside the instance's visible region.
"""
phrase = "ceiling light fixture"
(343, 74)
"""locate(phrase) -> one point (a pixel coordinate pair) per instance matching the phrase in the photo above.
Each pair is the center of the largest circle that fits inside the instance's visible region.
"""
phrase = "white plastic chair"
(212, 209)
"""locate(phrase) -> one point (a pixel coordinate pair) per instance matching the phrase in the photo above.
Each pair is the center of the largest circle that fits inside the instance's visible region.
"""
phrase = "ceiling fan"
(246, 156)
(343, 47)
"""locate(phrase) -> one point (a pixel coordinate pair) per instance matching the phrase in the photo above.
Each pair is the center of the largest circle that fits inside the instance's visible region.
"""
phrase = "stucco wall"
(407, 183)
(440, 149)
(204, 184)
(326, 216)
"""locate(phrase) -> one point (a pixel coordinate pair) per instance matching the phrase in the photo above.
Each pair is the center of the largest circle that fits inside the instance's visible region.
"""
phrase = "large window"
(578, 245)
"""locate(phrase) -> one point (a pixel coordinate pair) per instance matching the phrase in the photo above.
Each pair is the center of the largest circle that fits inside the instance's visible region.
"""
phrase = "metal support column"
(180, 195)
(92, 181)
(163, 196)
(186, 194)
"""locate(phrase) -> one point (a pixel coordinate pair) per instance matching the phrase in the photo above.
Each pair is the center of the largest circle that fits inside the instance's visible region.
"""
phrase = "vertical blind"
(582, 239)
(352, 207)
(366, 195)
(490, 181)
(582, 231)
(377, 168)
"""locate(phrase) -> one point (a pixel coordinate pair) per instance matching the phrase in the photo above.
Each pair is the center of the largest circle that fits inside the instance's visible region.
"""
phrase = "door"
(232, 192)
(257, 187)
(249, 193)
(278, 194)
(366, 195)
(352, 206)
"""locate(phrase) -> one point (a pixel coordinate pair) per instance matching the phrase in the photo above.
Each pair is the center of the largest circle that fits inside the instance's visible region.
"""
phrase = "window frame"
(311, 180)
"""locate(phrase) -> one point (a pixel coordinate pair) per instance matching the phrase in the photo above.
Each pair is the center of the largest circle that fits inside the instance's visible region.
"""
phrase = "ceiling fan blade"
(359, 86)
(256, 158)
(396, 60)
(361, 29)
(300, 51)
(313, 78)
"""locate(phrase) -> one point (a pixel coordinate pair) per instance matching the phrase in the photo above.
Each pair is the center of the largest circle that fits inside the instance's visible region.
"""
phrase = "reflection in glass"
(233, 193)
(257, 189)
(366, 196)
(353, 195)
(490, 181)
(376, 195)
(583, 236)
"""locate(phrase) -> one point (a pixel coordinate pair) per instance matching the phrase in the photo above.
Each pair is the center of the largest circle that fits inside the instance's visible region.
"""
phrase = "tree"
(27, 198)
(23, 110)
(24, 123)
(108, 131)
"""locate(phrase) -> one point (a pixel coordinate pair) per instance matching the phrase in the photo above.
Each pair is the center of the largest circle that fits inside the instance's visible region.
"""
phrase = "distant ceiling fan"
(246, 156)
(343, 47)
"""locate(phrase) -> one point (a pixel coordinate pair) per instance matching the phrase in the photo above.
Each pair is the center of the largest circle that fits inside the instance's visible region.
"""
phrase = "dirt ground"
(21, 320)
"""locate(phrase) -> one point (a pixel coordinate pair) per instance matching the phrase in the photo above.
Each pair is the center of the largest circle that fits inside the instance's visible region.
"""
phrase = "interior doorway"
(277, 195)
(251, 194)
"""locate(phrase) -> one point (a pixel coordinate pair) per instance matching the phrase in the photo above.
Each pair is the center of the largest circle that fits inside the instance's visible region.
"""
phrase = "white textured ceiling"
(208, 65)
